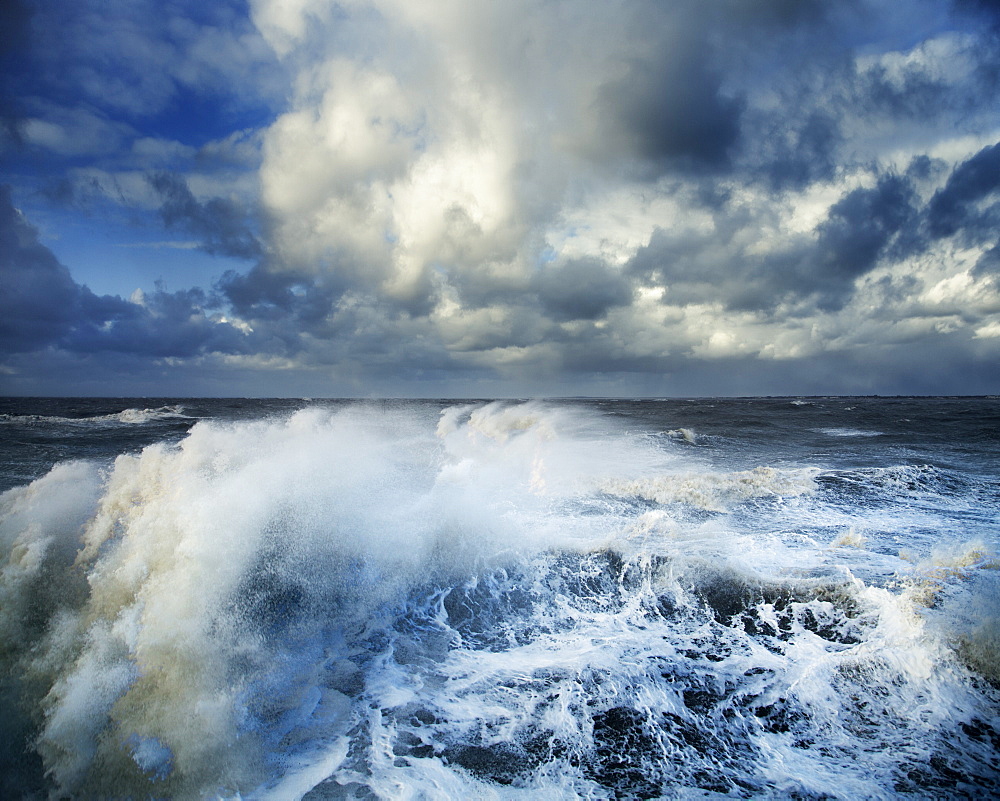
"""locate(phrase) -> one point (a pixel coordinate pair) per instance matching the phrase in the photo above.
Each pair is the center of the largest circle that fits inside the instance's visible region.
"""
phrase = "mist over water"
(603, 599)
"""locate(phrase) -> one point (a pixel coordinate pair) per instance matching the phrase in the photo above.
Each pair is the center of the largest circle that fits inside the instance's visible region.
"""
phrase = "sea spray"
(504, 600)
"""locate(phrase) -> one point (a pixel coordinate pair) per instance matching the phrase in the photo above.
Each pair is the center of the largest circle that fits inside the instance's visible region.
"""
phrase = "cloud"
(989, 262)
(138, 58)
(668, 112)
(150, 150)
(538, 192)
(859, 229)
(221, 223)
(157, 325)
(942, 72)
(759, 262)
(88, 89)
(39, 302)
(583, 289)
(41, 307)
(637, 186)
(292, 302)
(953, 207)
(422, 149)
(73, 132)
(794, 153)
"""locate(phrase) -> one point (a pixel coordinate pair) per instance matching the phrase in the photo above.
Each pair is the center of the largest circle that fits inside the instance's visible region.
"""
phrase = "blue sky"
(540, 197)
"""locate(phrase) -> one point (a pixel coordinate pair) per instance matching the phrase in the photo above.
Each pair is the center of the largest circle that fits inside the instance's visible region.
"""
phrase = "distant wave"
(124, 417)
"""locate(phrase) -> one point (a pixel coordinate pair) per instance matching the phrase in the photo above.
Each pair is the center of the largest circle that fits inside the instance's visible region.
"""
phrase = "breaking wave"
(509, 601)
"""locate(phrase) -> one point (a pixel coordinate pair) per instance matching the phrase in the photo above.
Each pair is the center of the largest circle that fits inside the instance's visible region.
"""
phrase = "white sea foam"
(514, 600)
(848, 432)
(716, 491)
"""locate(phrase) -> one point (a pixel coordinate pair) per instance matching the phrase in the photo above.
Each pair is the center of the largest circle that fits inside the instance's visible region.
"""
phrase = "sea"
(704, 598)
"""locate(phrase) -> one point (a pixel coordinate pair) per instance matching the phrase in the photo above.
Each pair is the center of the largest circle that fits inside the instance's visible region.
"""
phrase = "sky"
(460, 198)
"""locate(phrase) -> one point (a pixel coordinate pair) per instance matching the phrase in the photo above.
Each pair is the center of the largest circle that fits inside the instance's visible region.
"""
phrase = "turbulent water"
(766, 598)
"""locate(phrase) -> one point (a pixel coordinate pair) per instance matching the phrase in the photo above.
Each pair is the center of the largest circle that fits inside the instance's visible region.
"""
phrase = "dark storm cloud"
(220, 224)
(678, 101)
(166, 324)
(584, 289)
(42, 306)
(832, 107)
(860, 228)
(741, 158)
(39, 301)
(669, 111)
(944, 83)
(953, 208)
(798, 53)
(794, 152)
(989, 262)
(909, 94)
(265, 293)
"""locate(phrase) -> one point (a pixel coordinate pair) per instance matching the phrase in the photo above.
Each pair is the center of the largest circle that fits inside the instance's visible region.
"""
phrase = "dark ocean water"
(706, 598)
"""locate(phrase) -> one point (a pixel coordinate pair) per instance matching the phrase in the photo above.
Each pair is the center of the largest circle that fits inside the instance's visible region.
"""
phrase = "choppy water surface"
(785, 598)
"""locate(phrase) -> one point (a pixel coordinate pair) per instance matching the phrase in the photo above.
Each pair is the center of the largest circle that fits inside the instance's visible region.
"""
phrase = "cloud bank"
(626, 197)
